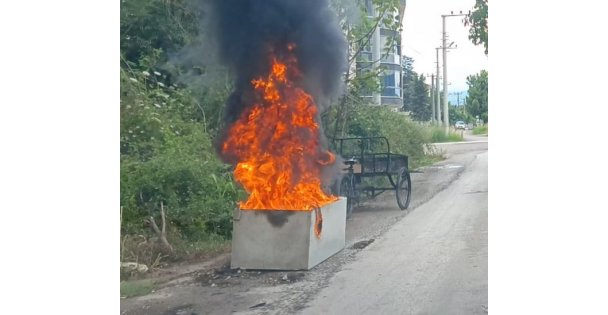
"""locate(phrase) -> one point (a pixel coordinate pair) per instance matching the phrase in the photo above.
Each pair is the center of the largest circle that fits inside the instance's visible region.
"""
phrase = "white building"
(391, 81)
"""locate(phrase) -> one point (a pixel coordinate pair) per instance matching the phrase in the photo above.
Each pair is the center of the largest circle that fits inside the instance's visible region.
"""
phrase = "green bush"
(166, 157)
(480, 130)
(404, 135)
(166, 134)
(438, 135)
(136, 287)
(148, 25)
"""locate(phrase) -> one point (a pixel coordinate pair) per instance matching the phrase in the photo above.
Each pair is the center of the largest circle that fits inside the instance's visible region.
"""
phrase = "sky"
(422, 34)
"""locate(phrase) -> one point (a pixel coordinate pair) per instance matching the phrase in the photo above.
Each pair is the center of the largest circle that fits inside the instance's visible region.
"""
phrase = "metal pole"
(432, 98)
(437, 98)
(446, 119)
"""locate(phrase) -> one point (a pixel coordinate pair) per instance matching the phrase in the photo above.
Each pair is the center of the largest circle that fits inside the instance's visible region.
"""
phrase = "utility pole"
(432, 98)
(446, 121)
(438, 111)
(438, 98)
(446, 117)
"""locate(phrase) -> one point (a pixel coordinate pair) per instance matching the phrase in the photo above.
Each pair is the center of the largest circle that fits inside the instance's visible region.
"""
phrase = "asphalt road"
(433, 262)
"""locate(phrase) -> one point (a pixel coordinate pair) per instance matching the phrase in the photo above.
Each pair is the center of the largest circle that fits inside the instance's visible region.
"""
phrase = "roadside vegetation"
(136, 287)
(176, 196)
(404, 135)
(438, 135)
(481, 130)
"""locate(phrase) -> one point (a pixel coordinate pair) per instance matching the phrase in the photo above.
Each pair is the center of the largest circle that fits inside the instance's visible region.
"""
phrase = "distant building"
(392, 83)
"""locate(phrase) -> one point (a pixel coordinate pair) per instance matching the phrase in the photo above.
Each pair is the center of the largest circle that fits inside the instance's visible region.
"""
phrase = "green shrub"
(147, 25)
(136, 287)
(166, 134)
(166, 157)
(438, 135)
(480, 130)
(404, 135)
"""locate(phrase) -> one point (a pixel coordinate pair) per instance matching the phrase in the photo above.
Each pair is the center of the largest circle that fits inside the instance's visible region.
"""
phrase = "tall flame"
(276, 144)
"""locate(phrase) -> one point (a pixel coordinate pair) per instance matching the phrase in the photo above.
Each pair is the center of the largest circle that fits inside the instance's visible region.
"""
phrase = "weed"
(136, 287)
(480, 130)
(438, 135)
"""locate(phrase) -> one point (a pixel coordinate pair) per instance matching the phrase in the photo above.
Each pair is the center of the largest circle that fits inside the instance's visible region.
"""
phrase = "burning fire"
(276, 143)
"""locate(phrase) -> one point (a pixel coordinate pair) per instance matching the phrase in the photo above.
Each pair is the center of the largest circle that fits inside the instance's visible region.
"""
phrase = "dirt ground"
(211, 287)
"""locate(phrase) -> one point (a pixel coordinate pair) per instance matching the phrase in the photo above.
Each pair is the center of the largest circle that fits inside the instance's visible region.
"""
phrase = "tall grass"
(437, 135)
(480, 130)
(136, 287)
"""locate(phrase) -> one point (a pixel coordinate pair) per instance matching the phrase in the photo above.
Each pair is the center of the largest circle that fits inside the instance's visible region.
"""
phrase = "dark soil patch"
(224, 276)
(362, 244)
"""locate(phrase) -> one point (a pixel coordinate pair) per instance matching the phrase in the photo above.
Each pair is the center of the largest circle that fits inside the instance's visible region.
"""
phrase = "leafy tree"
(409, 77)
(458, 113)
(153, 30)
(407, 63)
(416, 95)
(421, 103)
(478, 20)
(359, 27)
(477, 100)
(148, 25)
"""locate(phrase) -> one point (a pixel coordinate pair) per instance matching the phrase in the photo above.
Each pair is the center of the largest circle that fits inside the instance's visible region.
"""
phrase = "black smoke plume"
(247, 30)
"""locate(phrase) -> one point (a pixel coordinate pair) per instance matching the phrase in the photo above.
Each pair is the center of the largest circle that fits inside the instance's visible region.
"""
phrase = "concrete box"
(286, 240)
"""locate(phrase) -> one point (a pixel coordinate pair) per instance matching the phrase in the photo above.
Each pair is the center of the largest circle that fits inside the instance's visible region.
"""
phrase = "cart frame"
(367, 157)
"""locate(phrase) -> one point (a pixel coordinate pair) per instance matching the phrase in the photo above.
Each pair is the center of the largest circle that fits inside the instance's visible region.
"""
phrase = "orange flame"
(276, 143)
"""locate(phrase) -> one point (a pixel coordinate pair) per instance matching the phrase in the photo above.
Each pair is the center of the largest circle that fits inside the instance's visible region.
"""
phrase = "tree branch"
(368, 37)
(161, 233)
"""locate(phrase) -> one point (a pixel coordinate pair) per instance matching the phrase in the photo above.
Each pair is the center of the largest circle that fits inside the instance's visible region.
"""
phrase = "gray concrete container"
(286, 240)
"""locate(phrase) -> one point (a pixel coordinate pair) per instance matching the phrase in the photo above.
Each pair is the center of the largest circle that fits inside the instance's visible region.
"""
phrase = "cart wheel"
(347, 190)
(404, 188)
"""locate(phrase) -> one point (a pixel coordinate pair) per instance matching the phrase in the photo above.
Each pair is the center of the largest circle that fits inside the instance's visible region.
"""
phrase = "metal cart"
(372, 157)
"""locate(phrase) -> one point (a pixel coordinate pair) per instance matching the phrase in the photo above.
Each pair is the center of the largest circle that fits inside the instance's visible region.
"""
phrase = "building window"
(393, 55)
(391, 86)
(391, 92)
